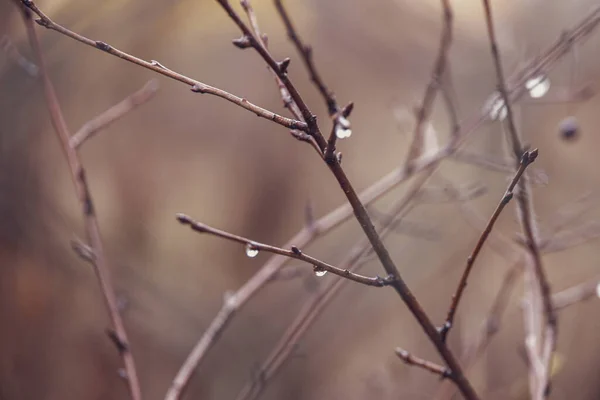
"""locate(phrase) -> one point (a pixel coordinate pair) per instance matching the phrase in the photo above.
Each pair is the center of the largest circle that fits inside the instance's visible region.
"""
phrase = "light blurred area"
(198, 154)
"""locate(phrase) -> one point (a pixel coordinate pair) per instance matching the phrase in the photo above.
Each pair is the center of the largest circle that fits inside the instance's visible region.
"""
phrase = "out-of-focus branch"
(89, 214)
(253, 247)
(114, 113)
(540, 346)
(424, 111)
(528, 158)
(576, 294)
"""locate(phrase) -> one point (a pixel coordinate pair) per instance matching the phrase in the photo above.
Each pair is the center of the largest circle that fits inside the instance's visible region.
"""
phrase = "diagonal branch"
(434, 368)
(306, 53)
(541, 355)
(195, 86)
(114, 113)
(89, 214)
(424, 111)
(528, 158)
(295, 252)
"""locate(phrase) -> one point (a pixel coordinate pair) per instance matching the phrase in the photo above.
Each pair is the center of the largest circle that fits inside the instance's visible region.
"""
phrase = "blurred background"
(197, 154)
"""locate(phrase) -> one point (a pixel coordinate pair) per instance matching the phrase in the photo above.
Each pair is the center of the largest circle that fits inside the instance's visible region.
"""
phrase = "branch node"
(103, 46)
(197, 88)
(283, 65)
(119, 343)
(243, 42)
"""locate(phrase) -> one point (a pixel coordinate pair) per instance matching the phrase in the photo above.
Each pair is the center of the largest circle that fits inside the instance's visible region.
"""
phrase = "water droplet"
(342, 128)
(495, 108)
(342, 133)
(538, 86)
(251, 250)
(319, 272)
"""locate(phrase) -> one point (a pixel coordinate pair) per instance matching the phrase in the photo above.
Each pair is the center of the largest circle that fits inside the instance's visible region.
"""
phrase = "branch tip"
(283, 65)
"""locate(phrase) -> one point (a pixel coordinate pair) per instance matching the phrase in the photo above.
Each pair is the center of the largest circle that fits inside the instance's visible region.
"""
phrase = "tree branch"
(82, 190)
(527, 159)
(540, 383)
(114, 113)
(295, 253)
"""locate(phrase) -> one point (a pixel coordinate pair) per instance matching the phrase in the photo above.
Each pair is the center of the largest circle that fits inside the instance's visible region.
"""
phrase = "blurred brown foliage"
(184, 152)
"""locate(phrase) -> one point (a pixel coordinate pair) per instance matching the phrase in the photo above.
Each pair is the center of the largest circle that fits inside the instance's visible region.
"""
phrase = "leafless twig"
(294, 252)
(89, 214)
(114, 113)
(528, 158)
(541, 347)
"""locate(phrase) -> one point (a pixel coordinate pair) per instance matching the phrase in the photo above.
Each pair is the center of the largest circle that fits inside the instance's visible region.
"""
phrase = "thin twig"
(306, 54)
(114, 113)
(312, 128)
(528, 158)
(421, 363)
(195, 86)
(89, 214)
(541, 381)
(424, 111)
(294, 252)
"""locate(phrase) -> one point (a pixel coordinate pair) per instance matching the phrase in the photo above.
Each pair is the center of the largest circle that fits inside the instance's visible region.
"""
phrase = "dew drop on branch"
(251, 250)
(342, 128)
(319, 272)
(538, 86)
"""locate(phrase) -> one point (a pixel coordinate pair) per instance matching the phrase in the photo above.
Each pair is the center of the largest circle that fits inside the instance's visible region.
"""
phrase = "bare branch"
(526, 160)
(89, 215)
(307, 58)
(541, 382)
(195, 86)
(253, 246)
(114, 113)
(424, 111)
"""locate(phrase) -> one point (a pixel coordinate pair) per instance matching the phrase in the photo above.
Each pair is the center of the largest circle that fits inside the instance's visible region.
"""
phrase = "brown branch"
(526, 160)
(424, 111)
(195, 86)
(89, 214)
(312, 127)
(306, 54)
(294, 252)
(542, 363)
(114, 113)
